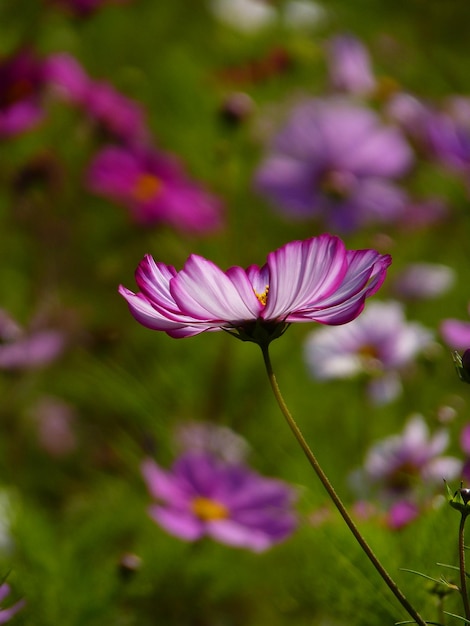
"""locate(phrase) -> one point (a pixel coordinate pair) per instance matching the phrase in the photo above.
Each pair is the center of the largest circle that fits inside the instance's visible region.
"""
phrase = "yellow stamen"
(368, 352)
(263, 297)
(208, 510)
(146, 187)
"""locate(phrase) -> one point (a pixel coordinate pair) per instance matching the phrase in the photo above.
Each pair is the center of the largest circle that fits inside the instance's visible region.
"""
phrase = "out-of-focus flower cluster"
(129, 169)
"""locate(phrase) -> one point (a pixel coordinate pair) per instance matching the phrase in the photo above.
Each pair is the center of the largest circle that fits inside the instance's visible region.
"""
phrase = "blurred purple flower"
(313, 280)
(336, 161)
(7, 614)
(119, 116)
(404, 471)
(21, 350)
(380, 344)
(155, 189)
(456, 333)
(423, 281)
(202, 495)
(440, 133)
(349, 65)
(449, 141)
(412, 115)
(21, 89)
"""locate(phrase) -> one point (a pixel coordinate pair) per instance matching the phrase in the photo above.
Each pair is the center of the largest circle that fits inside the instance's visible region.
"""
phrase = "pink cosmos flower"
(404, 471)
(7, 614)
(379, 344)
(154, 187)
(21, 88)
(456, 333)
(204, 496)
(313, 280)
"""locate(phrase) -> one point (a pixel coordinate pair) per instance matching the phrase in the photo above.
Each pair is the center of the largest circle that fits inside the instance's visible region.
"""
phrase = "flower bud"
(460, 499)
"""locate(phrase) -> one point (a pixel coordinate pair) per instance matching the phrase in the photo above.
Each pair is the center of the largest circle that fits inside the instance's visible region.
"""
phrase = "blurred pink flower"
(155, 189)
(404, 471)
(22, 350)
(202, 495)
(456, 333)
(401, 514)
(380, 344)
(349, 66)
(7, 614)
(119, 116)
(22, 82)
(336, 161)
(303, 281)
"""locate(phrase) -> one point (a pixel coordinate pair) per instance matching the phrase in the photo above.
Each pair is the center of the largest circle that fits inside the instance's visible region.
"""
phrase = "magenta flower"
(349, 65)
(119, 116)
(313, 280)
(379, 344)
(155, 189)
(24, 350)
(456, 333)
(204, 496)
(336, 161)
(67, 78)
(7, 614)
(21, 89)
(404, 471)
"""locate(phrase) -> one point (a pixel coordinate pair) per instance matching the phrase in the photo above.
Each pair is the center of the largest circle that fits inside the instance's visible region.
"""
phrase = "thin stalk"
(333, 495)
(463, 575)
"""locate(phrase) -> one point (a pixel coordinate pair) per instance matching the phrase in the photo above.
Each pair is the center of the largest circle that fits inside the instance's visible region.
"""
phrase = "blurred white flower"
(380, 344)
(424, 281)
(245, 15)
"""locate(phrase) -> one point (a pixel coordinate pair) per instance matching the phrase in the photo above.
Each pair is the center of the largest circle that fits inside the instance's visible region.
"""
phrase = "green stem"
(333, 495)
(463, 575)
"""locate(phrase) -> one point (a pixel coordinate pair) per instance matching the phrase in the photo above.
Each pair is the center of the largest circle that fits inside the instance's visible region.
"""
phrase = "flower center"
(208, 510)
(370, 358)
(262, 297)
(403, 477)
(146, 187)
(337, 184)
